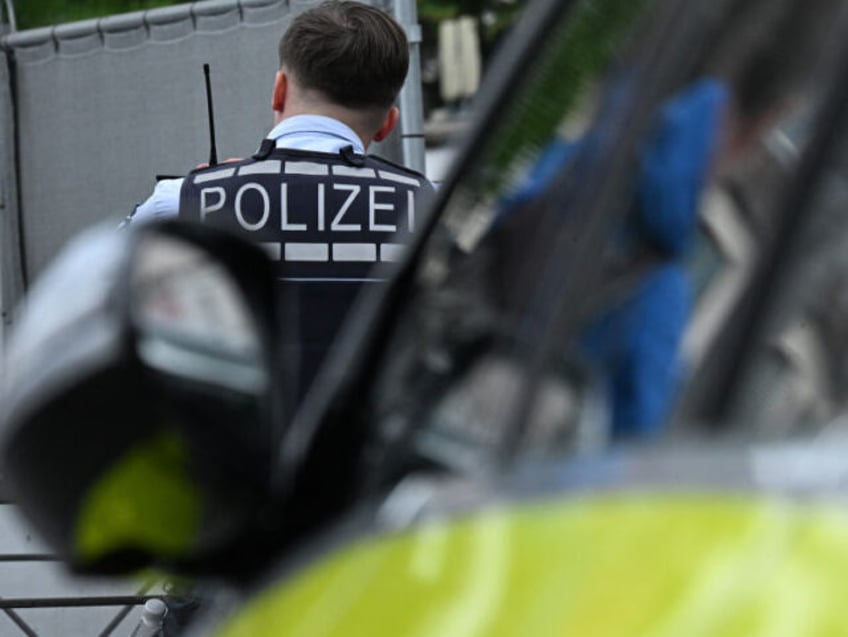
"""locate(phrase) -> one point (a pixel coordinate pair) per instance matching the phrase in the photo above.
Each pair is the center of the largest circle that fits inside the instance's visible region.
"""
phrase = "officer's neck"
(334, 114)
(354, 120)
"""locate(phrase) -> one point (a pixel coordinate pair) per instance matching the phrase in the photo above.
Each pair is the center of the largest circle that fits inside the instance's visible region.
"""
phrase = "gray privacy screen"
(92, 111)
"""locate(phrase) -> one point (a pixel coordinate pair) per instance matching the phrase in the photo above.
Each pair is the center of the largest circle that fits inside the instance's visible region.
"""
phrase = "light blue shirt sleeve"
(163, 203)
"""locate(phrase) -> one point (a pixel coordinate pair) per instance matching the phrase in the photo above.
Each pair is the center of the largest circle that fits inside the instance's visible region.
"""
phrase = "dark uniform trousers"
(326, 219)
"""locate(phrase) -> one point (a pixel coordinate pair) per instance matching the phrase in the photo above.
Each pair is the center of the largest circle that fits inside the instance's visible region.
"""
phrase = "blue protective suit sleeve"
(648, 373)
(674, 165)
(552, 160)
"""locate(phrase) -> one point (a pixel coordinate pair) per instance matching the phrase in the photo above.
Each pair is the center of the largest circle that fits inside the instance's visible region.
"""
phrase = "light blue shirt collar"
(317, 133)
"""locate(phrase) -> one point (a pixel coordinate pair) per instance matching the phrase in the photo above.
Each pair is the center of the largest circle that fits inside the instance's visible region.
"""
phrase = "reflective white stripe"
(352, 171)
(307, 252)
(272, 249)
(268, 167)
(355, 252)
(306, 168)
(401, 179)
(391, 251)
(215, 174)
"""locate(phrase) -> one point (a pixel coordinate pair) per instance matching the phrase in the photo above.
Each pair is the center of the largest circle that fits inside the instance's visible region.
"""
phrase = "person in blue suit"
(636, 343)
(631, 348)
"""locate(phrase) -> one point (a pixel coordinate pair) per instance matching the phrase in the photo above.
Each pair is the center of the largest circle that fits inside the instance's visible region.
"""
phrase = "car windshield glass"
(602, 231)
(796, 382)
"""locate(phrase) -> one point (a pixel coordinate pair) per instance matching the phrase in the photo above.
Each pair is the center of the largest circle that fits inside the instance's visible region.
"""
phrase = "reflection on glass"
(466, 347)
(798, 384)
(193, 318)
(564, 256)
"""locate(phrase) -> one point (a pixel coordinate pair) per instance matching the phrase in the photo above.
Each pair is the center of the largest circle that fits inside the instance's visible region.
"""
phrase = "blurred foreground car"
(648, 220)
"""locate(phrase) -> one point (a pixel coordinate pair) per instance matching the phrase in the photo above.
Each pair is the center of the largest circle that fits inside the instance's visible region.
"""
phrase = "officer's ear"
(388, 124)
(281, 86)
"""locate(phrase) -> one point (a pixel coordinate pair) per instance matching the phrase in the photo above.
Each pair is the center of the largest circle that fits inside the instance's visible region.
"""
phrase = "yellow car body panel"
(125, 507)
(601, 566)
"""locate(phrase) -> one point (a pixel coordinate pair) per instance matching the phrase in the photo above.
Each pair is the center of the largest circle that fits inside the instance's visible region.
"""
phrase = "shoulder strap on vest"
(351, 157)
(399, 167)
(265, 149)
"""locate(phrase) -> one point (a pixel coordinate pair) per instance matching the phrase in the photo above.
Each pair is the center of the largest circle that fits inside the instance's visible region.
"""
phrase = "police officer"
(326, 212)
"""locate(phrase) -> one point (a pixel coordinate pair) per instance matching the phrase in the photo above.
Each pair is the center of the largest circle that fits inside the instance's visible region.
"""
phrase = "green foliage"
(37, 13)
(500, 14)
(31, 14)
(587, 41)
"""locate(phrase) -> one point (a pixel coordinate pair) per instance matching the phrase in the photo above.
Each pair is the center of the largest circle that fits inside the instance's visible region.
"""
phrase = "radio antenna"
(213, 153)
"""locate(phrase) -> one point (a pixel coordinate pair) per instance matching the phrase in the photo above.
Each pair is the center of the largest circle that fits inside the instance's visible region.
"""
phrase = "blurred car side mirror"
(139, 398)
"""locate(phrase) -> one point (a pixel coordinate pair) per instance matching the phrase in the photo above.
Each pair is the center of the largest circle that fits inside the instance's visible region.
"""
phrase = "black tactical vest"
(326, 219)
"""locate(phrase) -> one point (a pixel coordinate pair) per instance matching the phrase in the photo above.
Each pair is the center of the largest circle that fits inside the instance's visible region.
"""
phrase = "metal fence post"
(411, 110)
(11, 265)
